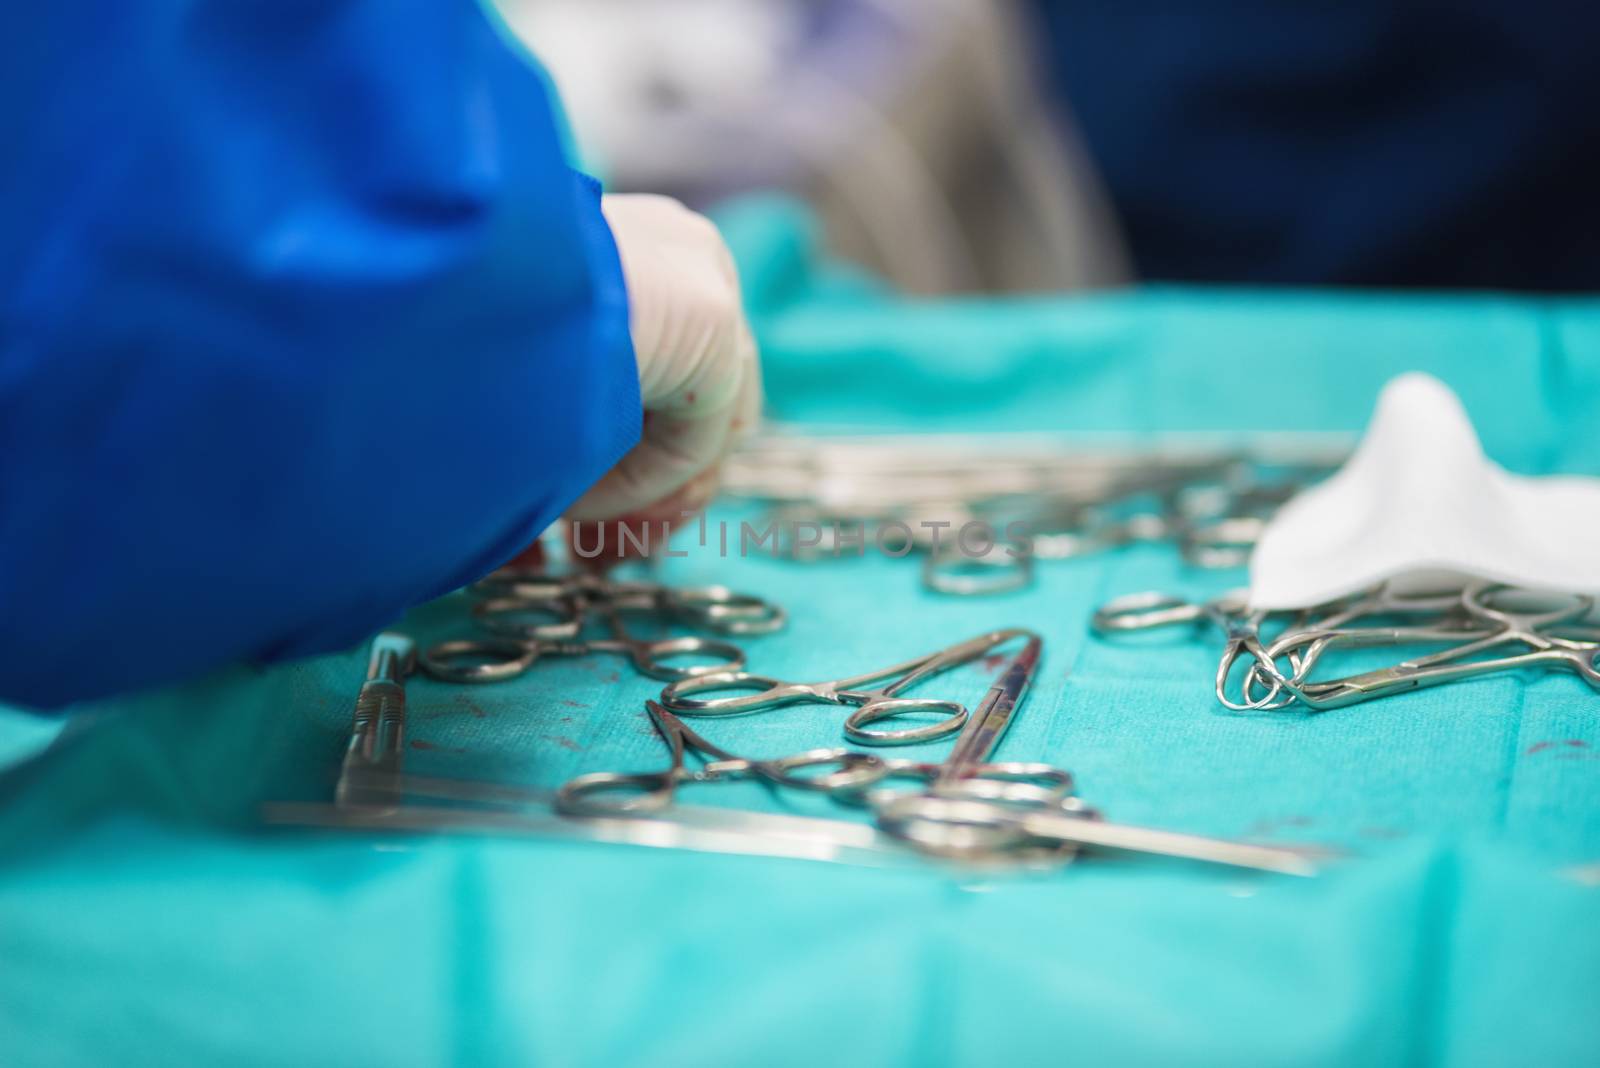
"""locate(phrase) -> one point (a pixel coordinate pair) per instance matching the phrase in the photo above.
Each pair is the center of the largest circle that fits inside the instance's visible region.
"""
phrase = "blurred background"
(1023, 145)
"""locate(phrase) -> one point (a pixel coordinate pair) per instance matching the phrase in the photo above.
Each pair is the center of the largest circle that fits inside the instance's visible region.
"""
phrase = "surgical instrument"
(1030, 497)
(377, 734)
(714, 608)
(654, 791)
(984, 825)
(1497, 627)
(533, 615)
(873, 704)
(990, 720)
(703, 830)
(964, 809)
(954, 817)
(959, 828)
(1240, 627)
(1551, 630)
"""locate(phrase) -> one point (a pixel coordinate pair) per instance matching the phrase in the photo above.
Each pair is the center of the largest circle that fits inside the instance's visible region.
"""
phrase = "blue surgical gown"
(303, 319)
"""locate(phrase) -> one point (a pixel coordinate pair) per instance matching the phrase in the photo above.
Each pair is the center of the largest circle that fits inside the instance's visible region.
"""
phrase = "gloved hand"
(699, 376)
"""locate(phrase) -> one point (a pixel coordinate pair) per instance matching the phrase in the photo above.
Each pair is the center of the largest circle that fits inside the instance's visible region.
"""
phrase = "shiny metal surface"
(376, 747)
(966, 809)
(698, 830)
(875, 703)
(529, 615)
(1033, 497)
(1475, 630)
(956, 827)
(623, 793)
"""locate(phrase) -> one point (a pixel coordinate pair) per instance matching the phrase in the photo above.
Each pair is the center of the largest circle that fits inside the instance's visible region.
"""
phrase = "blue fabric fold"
(304, 319)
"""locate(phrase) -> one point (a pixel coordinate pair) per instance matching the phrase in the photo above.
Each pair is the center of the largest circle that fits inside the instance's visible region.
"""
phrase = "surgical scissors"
(873, 703)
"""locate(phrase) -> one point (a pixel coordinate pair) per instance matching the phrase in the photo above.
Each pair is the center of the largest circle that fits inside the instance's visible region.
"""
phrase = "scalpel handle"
(371, 769)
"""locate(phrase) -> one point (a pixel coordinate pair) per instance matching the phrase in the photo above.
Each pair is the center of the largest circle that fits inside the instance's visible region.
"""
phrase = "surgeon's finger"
(747, 406)
(606, 541)
(701, 353)
(635, 487)
(673, 449)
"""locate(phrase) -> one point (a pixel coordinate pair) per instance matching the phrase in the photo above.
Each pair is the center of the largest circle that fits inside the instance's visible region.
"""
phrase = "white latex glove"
(699, 376)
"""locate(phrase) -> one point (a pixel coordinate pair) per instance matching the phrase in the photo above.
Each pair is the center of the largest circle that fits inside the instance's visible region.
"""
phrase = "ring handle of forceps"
(506, 659)
(853, 772)
(532, 584)
(726, 611)
(1152, 609)
(768, 693)
(771, 693)
(498, 616)
(1016, 783)
(962, 828)
(653, 791)
(855, 725)
(951, 571)
(1218, 544)
(641, 792)
(1478, 600)
(649, 657)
